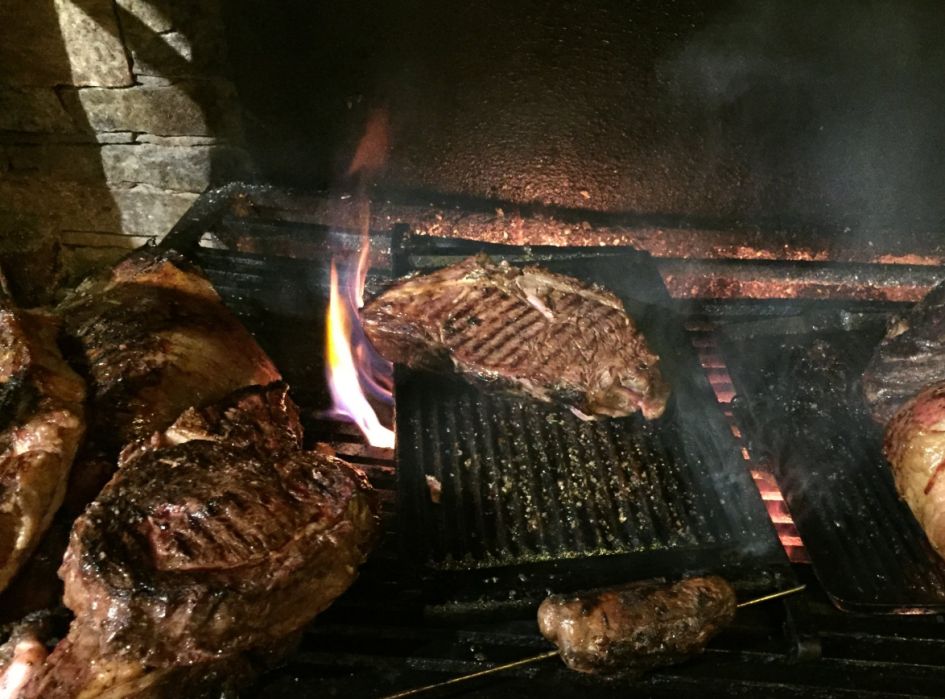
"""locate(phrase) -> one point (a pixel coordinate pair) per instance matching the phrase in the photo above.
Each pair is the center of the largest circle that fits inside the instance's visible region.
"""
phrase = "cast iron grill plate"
(531, 495)
(799, 399)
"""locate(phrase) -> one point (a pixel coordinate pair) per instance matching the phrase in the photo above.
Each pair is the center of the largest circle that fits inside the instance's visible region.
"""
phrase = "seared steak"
(630, 629)
(910, 357)
(154, 339)
(42, 420)
(218, 536)
(915, 447)
(549, 335)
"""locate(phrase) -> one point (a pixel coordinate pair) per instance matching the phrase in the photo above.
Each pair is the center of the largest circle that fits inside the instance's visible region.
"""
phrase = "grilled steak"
(154, 339)
(547, 334)
(915, 447)
(218, 536)
(910, 357)
(630, 629)
(42, 420)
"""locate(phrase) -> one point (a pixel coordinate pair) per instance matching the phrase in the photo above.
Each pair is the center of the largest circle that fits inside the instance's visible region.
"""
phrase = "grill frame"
(381, 636)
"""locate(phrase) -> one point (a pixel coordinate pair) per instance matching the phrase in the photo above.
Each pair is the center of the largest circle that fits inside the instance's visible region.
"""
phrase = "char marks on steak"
(216, 537)
(154, 339)
(547, 334)
(915, 447)
(42, 420)
(910, 358)
(630, 629)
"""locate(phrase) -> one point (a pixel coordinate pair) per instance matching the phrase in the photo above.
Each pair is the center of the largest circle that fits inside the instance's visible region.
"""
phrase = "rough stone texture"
(140, 210)
(114, 115)
(61, 204)
(93, 43)
(188, 169)
(188, 108)
(175, 55)
(178, 140)
(82, 163)
(33, 109)
(98, 239)
(180, 168)
(144, 11)
(29, 257)
(31, 51)
(149, 211)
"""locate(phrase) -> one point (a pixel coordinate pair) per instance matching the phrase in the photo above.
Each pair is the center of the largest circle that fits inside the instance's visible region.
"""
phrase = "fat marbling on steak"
(547, 334)
(42, 420)
(915, 447)
(153, 338)
(215, 537)
(910, 358)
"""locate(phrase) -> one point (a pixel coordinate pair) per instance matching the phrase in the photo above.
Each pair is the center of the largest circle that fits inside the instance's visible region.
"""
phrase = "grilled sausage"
(630, 629)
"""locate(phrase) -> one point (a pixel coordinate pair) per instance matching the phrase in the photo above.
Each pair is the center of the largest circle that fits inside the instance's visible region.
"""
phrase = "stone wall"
(114, 116)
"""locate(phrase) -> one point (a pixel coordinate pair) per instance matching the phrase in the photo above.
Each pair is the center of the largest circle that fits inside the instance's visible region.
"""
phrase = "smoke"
(846, 100)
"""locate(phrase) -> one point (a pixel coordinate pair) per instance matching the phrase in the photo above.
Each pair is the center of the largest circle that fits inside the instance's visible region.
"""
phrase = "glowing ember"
(345, 374)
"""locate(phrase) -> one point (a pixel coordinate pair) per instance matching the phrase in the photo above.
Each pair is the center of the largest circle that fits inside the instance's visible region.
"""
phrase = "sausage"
(630, 629)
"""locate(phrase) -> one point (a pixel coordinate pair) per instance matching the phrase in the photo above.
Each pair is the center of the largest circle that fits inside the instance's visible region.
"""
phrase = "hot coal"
(546, 334)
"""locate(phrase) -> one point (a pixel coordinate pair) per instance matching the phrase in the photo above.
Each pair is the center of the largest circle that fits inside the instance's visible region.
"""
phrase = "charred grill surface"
(42, 420)
(631, 629)
(154, 339)
(802, 406)
(547, 334)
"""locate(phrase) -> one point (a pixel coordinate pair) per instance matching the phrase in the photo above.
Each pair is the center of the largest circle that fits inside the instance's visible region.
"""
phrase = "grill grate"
(800, 401)
(380, 637)
(533, 497)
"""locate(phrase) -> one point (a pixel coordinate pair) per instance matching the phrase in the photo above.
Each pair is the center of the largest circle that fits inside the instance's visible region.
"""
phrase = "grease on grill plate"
(533, 497)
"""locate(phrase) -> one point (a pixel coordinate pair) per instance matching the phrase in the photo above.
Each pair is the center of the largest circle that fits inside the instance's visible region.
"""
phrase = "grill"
(837, 489)
(389, 633)
(536, 498)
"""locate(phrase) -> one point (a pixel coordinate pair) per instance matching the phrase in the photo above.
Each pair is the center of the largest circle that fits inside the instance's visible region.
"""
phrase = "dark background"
(829, 115)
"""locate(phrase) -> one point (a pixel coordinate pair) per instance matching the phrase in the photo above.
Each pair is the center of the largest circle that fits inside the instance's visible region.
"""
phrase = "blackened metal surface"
(799, 400)
(369, 648)
(534, 498)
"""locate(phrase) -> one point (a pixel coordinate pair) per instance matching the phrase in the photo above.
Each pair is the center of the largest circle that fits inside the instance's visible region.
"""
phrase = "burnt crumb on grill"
(435, 488)
(545, 334)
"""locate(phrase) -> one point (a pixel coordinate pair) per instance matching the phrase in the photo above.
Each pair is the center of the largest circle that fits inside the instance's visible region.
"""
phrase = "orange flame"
(345, 374)
(352, 365)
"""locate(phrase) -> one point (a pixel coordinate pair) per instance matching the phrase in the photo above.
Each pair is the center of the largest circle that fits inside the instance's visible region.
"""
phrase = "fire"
(352, 365)
(347, 370)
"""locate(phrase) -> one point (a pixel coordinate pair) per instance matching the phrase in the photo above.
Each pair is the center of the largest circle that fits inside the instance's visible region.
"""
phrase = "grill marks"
(545, 334)
(209, 546)
(525, 482)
